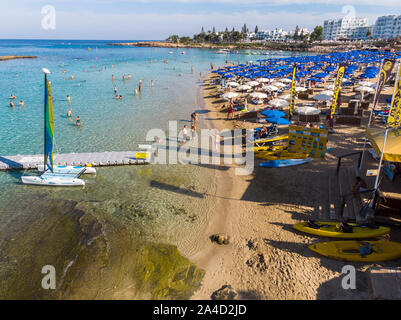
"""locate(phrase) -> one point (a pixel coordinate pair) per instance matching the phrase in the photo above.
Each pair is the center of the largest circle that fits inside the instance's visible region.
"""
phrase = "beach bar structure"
(23, 162)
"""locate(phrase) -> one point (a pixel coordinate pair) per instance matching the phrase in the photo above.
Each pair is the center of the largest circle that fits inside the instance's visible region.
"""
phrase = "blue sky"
(157, 19)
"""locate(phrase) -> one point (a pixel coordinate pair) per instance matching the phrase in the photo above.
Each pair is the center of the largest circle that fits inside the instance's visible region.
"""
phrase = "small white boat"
(51, 179)
(222, 51)
(69, 169)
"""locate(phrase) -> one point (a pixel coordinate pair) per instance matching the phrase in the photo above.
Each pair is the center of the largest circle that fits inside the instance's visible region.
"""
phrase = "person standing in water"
(115, 89)
(68, 99)
(140, 86)
(152, 83)
(21, 103)
(112, 77)
(78, 121)
(11, 104)
(69, 113)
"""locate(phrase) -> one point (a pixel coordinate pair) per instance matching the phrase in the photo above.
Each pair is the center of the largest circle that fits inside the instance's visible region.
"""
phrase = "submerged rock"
(224, 293)
(221, 238)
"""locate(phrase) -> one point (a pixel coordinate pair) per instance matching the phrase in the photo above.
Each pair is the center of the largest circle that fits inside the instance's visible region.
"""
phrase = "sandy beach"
(266, 258)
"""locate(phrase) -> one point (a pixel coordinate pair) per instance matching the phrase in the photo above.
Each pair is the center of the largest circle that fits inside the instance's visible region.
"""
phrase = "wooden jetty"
(23, 162)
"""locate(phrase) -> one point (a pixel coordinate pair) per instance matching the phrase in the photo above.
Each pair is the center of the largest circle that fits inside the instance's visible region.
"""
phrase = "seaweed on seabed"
(165, 273)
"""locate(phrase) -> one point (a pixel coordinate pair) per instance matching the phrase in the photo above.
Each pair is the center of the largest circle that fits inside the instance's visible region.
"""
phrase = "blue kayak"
(284, 163)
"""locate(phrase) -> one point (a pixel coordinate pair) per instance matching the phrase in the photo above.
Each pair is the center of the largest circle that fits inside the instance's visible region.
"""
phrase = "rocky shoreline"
(2, 58)
(317, 48)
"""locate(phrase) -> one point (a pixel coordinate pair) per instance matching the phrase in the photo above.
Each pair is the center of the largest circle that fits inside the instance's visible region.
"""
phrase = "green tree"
(317, 34)
(173, 38)
(296, 33)
(185, 39)
(256, 29)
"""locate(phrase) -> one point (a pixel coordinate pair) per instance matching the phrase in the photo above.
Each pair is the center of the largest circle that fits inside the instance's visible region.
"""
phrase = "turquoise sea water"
(158, 203)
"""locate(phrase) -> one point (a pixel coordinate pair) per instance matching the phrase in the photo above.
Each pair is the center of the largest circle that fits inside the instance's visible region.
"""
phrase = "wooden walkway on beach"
(22, 162)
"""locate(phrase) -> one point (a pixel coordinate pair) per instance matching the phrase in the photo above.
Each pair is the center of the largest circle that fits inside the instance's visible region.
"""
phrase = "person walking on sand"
(194, 118)
(230, 112)
(184, 133)
(78, 121)
(193, 131)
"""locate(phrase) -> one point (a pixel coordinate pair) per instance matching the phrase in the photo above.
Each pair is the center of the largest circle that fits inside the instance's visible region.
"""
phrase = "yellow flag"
(394, 117)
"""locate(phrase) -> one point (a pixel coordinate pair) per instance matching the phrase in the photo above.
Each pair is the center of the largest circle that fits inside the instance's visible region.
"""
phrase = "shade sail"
(392, 151)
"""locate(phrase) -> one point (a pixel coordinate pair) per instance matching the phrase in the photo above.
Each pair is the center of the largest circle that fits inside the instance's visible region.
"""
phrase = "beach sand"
(266, 258)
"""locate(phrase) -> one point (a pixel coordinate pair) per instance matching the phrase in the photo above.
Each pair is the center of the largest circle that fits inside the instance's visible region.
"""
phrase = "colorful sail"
(49, 128)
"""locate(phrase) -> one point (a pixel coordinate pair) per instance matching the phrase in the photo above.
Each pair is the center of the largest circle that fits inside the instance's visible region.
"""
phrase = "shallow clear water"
(158, 203)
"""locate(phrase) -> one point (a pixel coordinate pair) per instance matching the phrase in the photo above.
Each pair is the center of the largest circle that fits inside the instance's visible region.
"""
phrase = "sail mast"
(44, 127)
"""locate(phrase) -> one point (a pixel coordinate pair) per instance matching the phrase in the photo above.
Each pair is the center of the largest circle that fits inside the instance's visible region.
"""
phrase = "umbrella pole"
(381, 160)
(370, 117)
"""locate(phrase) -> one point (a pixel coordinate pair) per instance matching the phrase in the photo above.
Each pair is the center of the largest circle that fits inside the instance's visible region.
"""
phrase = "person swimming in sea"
(69, 113)
(68, 99)
(11, 104)
(78, 121)
(21, 103)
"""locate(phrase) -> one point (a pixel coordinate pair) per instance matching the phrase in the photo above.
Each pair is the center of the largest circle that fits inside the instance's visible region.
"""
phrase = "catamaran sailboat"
(52, 175)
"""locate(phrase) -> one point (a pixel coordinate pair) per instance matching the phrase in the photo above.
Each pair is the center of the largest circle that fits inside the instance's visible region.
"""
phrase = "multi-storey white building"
(273, 35)
(345, 28)
(387, 27)
(397, 27)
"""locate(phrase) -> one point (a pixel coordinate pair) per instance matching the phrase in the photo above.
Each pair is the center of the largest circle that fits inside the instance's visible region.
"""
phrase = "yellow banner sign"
(308, 140)
(143, 155)
(292, 100)
(394, 117)
(337, 87)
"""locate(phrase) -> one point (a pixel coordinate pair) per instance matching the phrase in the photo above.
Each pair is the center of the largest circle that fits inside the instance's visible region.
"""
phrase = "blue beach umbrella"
(280, 121)
(273, 113)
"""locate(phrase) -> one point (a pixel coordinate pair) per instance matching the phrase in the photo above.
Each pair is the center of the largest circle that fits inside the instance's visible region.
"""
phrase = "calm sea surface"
(122, 210)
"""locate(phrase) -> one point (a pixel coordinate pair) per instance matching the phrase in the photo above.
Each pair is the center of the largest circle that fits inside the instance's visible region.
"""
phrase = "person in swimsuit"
(78, 121)
(68, 99)
(69, 113)
(360, 185)
(21, 103)
(230, 112)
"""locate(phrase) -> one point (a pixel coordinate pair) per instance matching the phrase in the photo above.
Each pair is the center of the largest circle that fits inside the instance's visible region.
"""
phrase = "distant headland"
(16, 57)
(317, 47)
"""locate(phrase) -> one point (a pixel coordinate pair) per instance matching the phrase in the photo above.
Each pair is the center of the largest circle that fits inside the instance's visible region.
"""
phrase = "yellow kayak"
(359, 251)
(280, 155)
(270, 141)
(334, 230)
(270, 148)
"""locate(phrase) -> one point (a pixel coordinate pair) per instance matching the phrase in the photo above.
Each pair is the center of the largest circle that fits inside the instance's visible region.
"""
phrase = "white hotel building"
(387, 27)
(345, 28)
